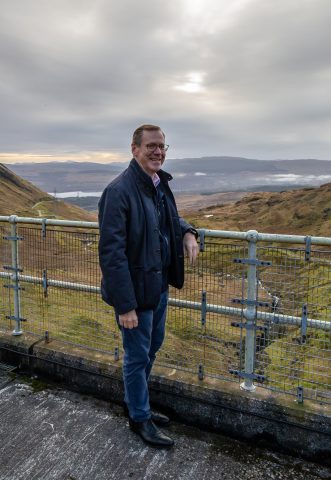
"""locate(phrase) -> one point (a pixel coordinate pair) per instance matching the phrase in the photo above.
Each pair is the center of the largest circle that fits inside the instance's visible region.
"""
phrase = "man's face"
(150, 159)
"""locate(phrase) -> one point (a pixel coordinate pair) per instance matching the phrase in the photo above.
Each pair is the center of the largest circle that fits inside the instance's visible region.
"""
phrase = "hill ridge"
(305, 211)
(22, 198)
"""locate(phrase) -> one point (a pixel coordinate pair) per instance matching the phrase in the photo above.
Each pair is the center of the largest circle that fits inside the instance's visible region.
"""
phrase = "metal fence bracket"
(252, 261)
(250, 326)
(203, 307)
(43, 227)
(300, 394)
(202, 240)
(14, 238)
(14, 287)
(257, 303)
(304, 323)
(308, 248)
(45, 282)
(12, 317)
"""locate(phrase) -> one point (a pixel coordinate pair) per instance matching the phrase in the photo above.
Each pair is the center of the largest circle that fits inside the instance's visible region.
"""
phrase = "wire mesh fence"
(297, 355)
(205, 342)
(65, 258)
(208, 327)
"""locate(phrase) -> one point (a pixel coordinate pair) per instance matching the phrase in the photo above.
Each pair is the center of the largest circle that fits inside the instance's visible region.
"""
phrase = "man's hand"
(128, 320)
(191, 248)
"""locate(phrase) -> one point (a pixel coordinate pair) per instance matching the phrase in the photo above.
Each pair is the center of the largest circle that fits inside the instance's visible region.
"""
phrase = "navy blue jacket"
(129, 246)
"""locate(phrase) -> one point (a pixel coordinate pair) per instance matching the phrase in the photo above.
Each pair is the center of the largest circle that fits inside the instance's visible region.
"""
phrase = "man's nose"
(158, 150)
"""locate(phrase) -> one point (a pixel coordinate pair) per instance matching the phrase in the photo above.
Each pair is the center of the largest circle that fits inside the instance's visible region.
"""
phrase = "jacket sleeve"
(117, 287)
(185, 227)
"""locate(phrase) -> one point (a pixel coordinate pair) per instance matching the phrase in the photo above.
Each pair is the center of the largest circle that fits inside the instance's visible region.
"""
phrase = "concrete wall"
(259, 417)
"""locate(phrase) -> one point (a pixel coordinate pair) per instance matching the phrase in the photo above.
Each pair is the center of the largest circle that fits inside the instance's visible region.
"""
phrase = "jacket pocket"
(147, 286)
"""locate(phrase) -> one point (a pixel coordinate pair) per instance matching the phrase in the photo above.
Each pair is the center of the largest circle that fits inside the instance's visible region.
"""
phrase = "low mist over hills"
(20, 197)
(207, 174)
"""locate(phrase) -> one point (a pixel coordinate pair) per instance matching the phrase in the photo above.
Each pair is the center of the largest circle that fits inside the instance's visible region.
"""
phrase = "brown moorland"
(298, 212)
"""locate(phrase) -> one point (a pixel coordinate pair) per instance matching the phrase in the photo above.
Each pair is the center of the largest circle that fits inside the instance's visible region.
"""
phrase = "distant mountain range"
(204, 175)
(304, 211)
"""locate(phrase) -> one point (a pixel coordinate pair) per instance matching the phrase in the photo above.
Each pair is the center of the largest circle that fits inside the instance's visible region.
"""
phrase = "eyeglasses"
(151, 147)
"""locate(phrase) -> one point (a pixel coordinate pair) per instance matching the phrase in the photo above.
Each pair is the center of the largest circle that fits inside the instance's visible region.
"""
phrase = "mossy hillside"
(290, 361)
(300, 212)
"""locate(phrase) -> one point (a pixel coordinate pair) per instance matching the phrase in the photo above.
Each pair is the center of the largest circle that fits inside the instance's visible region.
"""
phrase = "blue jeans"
(140, 347)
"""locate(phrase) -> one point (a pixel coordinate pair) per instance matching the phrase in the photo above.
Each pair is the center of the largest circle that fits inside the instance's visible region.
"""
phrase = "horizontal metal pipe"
(220, 309)
(55, 283)
(264, 316)
(210, 307)
(291, 320)
(48, 221)
(266, 237)
(234, 235)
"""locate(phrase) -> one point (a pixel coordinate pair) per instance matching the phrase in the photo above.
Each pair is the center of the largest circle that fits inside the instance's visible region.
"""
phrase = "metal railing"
(255, 309)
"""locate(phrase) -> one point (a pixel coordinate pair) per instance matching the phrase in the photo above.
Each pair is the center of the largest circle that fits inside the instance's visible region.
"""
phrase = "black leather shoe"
(151, 434)
(157, 417)
(160, 419)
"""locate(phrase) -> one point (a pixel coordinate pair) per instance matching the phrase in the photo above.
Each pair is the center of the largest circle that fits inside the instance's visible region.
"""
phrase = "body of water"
(78, 194)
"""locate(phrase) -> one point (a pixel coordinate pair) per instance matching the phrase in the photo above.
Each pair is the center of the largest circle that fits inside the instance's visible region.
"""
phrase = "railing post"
(15, 278)
(250, 312)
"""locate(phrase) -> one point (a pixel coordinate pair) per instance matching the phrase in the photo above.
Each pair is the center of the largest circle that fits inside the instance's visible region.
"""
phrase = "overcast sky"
(222, 77)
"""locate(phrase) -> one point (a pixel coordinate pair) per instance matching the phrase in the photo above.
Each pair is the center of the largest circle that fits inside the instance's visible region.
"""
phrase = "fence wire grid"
(206, 326)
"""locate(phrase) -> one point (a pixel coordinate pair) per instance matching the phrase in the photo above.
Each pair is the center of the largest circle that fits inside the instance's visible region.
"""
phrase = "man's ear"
(133, 148)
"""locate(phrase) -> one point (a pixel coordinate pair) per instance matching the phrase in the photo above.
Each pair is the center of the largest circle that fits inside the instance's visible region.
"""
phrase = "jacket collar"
(144, 180)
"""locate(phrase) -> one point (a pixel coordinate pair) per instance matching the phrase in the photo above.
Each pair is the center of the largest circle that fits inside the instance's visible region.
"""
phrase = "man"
(141, 251)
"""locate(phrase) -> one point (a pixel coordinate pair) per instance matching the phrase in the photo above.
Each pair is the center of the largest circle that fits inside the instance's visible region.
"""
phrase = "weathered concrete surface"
(263, 418)
(53, 434)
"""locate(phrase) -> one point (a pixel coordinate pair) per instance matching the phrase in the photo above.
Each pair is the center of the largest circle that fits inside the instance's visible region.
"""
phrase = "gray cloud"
(247, 77)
